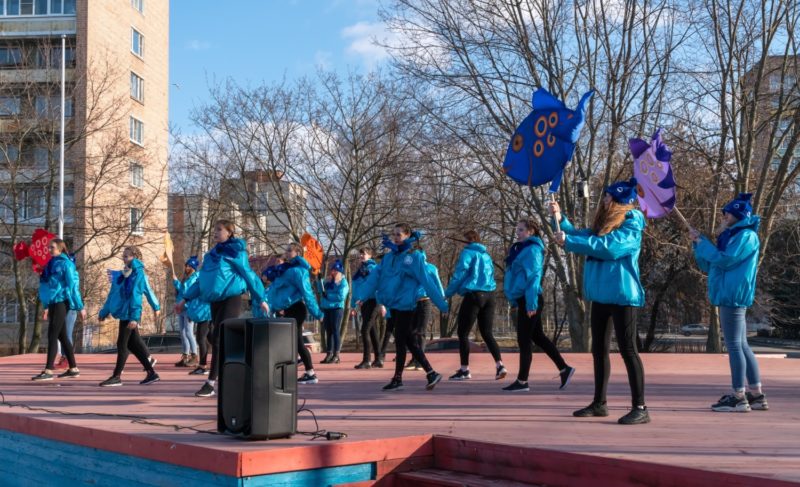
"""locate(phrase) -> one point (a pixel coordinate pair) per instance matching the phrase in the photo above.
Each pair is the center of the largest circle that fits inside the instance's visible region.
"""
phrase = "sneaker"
(461, 375)
(363, 365)
(153, 362)
(592, 410)
(308, 379)
(731, 404)
(206, 391)
(377, 364)
(757, 402)
(517, 386)
(70, 373)
(433, 379)
(395, 385)
(199, 370)
(637, 415)
(565, 376)
(112, 381)
(45, 375)
(501, 373)
(151, 377)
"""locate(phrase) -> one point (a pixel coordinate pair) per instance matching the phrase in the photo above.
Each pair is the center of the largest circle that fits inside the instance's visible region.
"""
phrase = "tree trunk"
(713, 344)
(36, 339)
(23, 310)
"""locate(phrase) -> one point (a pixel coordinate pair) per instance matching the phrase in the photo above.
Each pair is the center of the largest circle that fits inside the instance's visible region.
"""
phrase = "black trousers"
(387, 335)
(221, 311)
(299, 312)
(57, 332)
(204, 340)
(422, 316)
(529, 329)
(406, 340)
(130, 341)
(624, 321)
(369, 333)
(476, 305)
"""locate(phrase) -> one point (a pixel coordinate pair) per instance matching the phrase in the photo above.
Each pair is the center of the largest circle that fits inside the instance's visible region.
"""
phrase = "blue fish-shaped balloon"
(544, 142)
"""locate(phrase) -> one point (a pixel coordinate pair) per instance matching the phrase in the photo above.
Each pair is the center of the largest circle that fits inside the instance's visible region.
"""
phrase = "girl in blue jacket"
(611, 283)
(370, 310)
(398, 281)
(732, 265)
(473, 279)
(224, 276)
(291, 296)
(186, 324)
(333, 291)
(522, 285)
(59, 292)
(124, 302)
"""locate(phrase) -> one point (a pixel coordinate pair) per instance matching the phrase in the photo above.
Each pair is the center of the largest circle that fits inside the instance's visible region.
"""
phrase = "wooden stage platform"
(465, 433)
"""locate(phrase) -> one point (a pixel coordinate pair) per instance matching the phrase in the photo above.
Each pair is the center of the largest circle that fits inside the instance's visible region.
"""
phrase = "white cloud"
(198, 45)
(365, 38)
(323, 60)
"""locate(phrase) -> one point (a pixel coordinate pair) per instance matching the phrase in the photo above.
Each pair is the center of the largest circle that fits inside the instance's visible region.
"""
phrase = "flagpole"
(61, 144)
(681, 217)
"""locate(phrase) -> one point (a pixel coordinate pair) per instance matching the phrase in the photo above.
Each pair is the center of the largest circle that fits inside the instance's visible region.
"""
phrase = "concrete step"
(448, 478)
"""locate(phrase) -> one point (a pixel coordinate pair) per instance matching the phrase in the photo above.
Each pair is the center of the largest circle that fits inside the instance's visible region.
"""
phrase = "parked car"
(694, 329)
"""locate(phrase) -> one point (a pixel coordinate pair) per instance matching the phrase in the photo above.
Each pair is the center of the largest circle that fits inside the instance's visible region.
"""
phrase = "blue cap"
(193, 262)
(338, 266)
(271, 273)
(740, 206)
(623, 191)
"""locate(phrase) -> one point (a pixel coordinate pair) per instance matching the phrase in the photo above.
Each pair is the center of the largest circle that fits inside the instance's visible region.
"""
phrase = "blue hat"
(337, 266)
(623, 191)
(193, 262)
(271, 273)
(740, 206)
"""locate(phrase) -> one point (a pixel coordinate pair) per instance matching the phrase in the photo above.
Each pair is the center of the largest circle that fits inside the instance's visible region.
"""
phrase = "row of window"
(37, 7)
(31, 204)
(35, 56)
(43, 106)
(136, 125)
(36, 156)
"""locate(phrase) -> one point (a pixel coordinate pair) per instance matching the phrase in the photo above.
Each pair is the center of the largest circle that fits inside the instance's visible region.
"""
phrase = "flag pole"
(553, 199)
(61, 143)
(681, 217)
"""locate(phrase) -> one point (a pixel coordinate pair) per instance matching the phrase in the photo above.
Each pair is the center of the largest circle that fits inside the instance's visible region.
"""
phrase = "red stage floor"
(684, 432)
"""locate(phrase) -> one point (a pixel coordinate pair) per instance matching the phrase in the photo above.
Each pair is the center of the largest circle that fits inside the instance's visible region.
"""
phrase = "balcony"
(37, 26)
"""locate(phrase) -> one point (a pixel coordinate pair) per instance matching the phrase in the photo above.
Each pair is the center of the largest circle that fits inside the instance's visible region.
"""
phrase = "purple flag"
(651, 168)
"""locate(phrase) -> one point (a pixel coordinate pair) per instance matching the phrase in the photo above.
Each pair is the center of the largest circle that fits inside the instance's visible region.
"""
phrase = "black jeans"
(625, 330)
(299, 312)
(204, 338)
(129, 340)
(387, 335)
(57, 332)
(221, 311)
(369, 333)
(422, 316)
(331, 320)
(405, 339)
(476, 305)
(529, 329)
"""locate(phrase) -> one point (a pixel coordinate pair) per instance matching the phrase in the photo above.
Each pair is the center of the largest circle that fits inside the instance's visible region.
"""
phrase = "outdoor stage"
(464, 433)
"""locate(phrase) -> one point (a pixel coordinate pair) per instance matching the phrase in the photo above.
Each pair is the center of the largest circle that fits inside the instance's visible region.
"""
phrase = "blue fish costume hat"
(740, 206)
(623, 192)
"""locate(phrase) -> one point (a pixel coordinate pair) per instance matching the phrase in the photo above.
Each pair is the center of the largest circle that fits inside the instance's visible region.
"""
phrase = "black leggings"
(57, 332)
(129, 340)
(529, 329)
(422, 316)
(387, 334)
(476, 305)
(405, 339)
(299, 312)
(221, 311)
(369, 333)
(625, 330)
(204, 339)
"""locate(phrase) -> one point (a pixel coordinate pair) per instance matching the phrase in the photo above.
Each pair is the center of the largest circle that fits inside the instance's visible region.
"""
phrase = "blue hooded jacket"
(124, 301)
(333, 295)
(611, 271)
(360, 278)
(226, 272)
(732, 271)
(196, 309)
(400, 280)
(523, 276)
(60, 282)
(474, 272)
(293, 285)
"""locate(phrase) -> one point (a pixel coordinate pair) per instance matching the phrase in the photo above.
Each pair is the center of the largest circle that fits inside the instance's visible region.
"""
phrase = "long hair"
(61, 245)
(134, 251)
(608, 219)
(228, 225)
(532, 226)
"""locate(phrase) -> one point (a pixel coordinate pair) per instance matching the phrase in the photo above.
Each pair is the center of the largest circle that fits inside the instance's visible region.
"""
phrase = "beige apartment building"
(116, 177)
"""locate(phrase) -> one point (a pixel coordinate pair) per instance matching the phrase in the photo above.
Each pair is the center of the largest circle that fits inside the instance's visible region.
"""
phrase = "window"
(137, 131)
(137, 87)
(774, 82)
(138, 5)
(33, 206)
(37, 7)
(50, 106)
(50, 57)
(41, 157)
(9, 154)
(136, 221)
(137, 175)
(137, 42)
(69, 201)
(9, 106)
(26, 7)
(10, 57)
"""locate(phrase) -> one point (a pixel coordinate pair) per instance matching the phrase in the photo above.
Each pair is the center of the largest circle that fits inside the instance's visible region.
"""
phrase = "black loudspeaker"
(257, 386)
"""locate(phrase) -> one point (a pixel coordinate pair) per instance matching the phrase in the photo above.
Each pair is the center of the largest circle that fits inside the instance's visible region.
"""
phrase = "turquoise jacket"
(474, 272)
(226, 272)
(523, 277)
(611, 271)
(732, 271)
(124, 301)
(333, 295)
(294, 285)
(196, 309)
(60, 282)
(433, 274)
(359, 278)
(400, 280)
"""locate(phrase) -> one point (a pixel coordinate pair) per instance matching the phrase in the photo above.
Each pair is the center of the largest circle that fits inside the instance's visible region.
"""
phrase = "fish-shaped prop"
(312, 252)
(544, 142)
(169, 250)
(38, 250)
(652, 170)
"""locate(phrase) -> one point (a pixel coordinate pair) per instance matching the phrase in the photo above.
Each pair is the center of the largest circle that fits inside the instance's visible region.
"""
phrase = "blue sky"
(263, 40)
